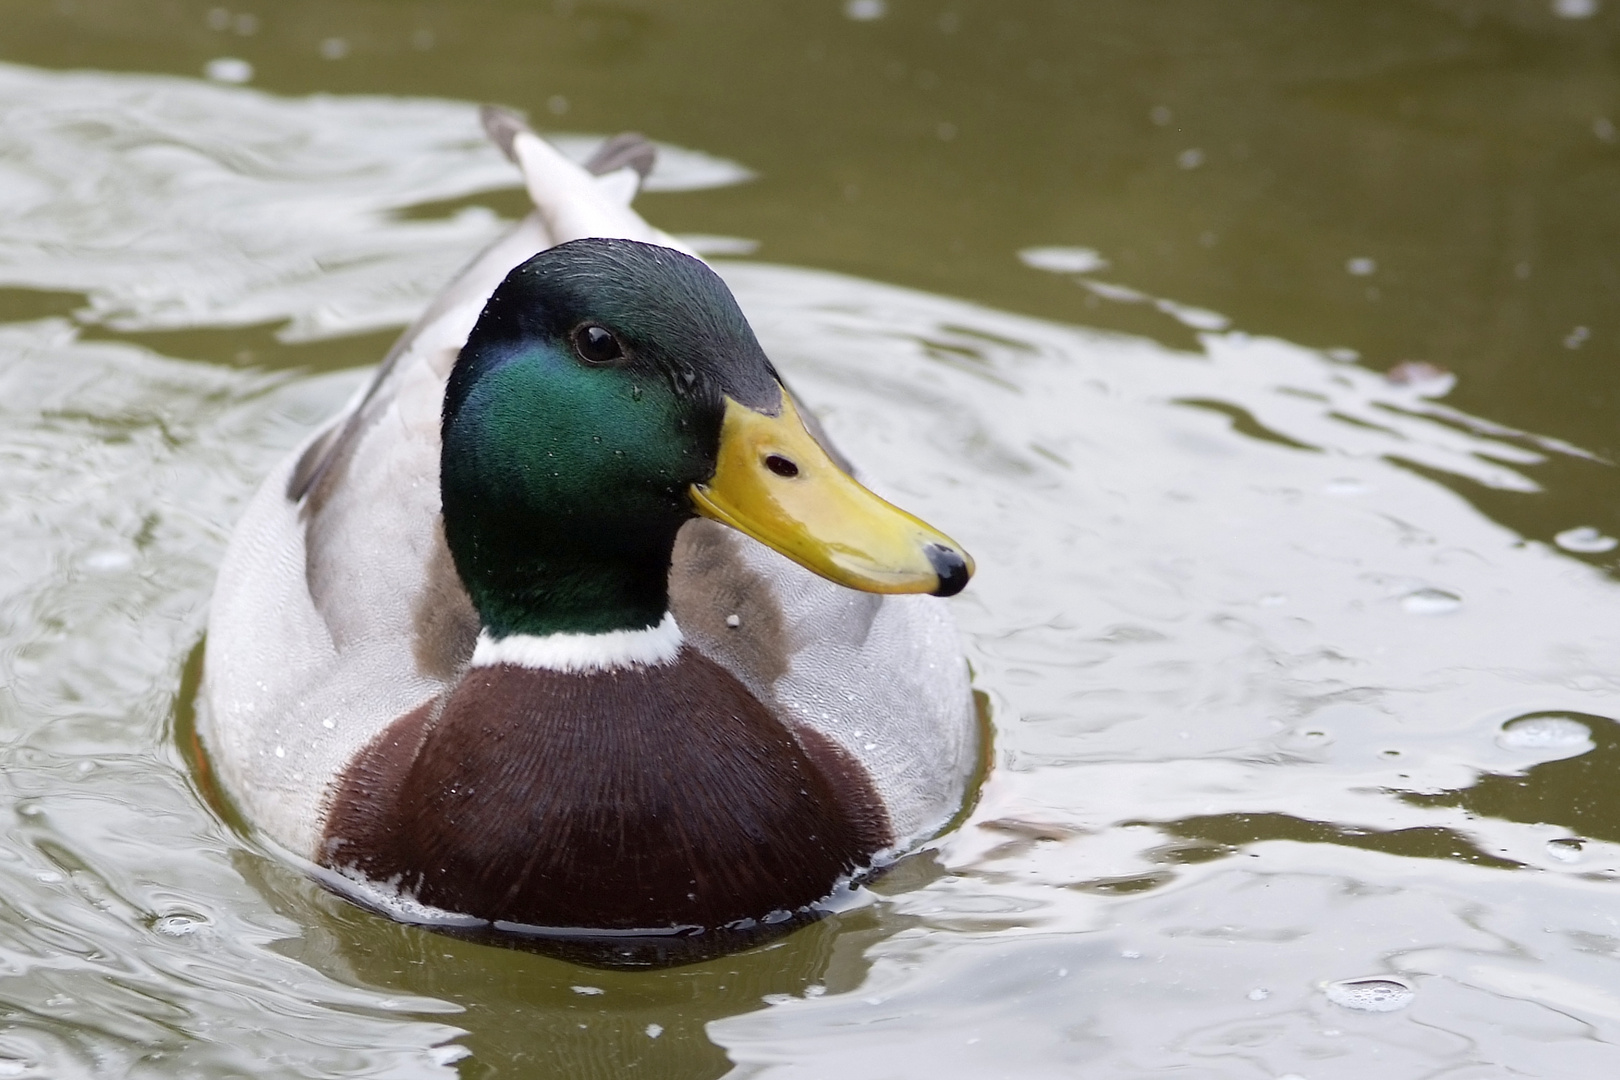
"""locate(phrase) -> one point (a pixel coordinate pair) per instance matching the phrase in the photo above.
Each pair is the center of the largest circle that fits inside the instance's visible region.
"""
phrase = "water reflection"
(1577, 792)
(1226, 834)
(169, 204)
(539, 1016)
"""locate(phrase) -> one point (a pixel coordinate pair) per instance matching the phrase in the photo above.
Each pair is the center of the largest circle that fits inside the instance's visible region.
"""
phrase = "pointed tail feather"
(577, 202)
(502, 126)
(628, 149)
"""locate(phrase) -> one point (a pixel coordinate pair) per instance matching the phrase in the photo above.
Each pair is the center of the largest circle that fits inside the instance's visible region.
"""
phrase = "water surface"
(1301, 679)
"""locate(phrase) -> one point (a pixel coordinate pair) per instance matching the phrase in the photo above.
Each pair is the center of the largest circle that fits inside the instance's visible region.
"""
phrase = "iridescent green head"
(583, 425)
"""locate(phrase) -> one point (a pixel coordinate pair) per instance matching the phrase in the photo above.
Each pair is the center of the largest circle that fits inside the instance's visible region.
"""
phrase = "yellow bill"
(776, 484)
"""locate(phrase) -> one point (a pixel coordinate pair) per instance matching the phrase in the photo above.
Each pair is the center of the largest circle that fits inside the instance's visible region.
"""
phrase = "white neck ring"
(583, 653)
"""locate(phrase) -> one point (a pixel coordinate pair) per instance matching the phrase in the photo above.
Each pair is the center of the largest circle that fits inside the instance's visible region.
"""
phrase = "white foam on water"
(1371, 995)
(1585, 540)
(1431, 602)
(1545, 733)
(1063, 260)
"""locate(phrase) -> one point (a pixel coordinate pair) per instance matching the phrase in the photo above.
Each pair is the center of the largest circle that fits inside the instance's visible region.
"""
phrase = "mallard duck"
(573, 618)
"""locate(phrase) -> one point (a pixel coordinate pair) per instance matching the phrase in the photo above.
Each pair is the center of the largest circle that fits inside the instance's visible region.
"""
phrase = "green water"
(1253, 621)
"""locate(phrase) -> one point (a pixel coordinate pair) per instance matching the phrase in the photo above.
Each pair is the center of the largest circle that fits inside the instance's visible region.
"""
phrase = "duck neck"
(525, 579)
(561, 512)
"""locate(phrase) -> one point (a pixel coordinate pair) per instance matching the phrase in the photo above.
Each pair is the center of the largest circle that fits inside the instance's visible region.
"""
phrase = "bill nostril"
(781, 466)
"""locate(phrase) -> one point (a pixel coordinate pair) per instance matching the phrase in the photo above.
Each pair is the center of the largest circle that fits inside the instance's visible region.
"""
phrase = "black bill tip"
(952, 568)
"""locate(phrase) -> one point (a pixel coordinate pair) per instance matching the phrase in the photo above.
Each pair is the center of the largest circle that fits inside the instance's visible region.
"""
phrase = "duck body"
(499, 645)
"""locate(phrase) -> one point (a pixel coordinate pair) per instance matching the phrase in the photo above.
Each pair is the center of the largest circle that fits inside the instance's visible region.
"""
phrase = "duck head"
(612, 390)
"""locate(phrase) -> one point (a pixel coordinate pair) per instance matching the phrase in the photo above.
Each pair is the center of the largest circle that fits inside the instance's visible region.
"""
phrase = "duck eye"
(597, 344)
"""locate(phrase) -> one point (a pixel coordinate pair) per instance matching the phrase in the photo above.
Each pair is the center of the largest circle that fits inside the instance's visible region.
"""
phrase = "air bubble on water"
(1063, 260)
(1575, 9)
(108, 560)
(1545, 732)
(228, 69)
(588, 991)
(179, 924)
(1259, 993)
(1430, 602)
(1566, 849)
(1361, 267)
(865, 10)
(1346, 485)
(1371, 995)
(654, 1030)
(1585, 540)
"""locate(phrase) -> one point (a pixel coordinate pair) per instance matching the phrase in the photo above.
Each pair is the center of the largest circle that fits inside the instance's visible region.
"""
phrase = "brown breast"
(634, 799)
